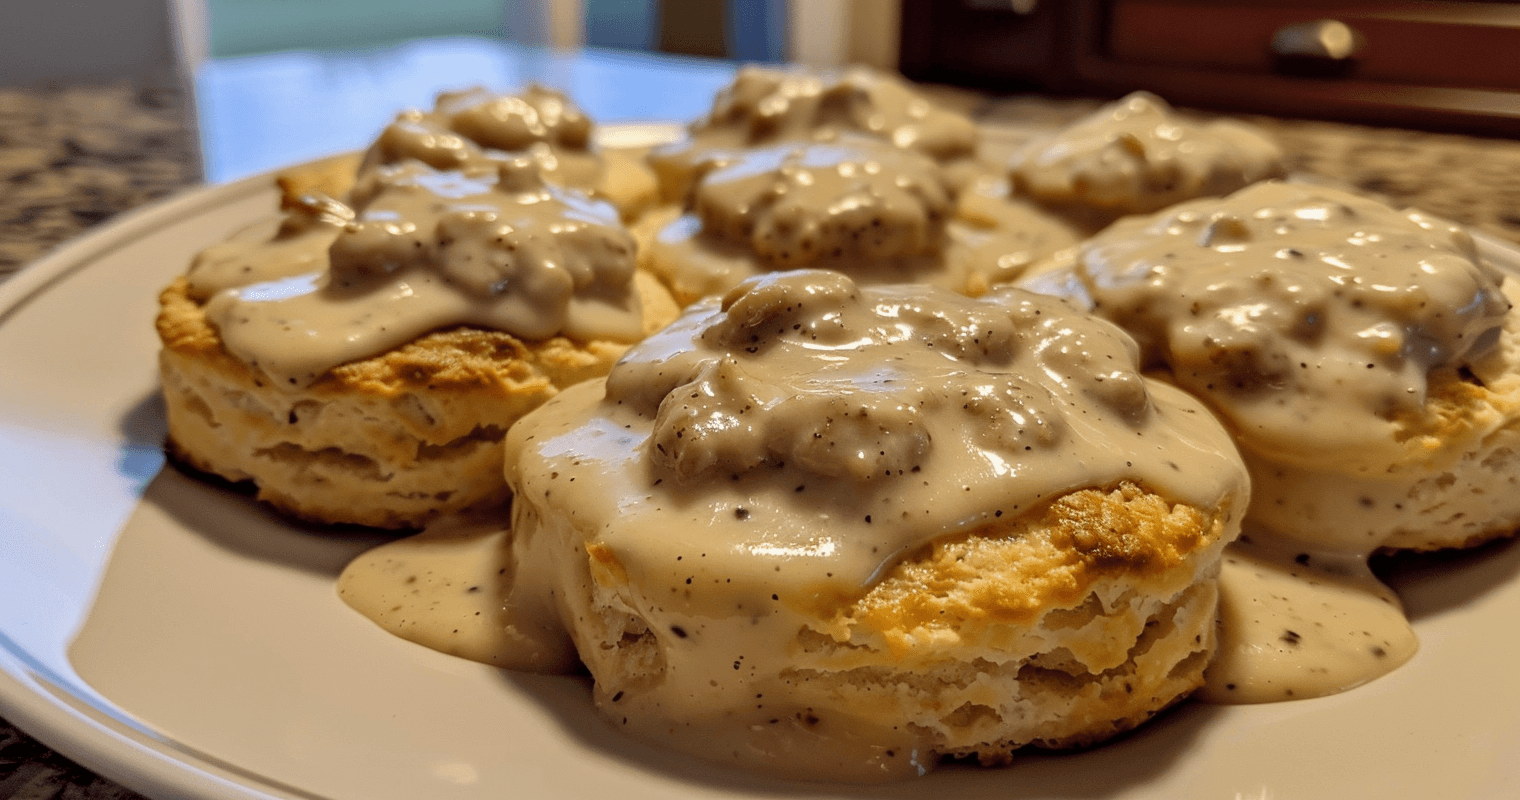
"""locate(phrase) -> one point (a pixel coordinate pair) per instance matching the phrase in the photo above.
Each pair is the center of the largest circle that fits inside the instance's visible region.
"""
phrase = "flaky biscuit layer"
(1057, 629)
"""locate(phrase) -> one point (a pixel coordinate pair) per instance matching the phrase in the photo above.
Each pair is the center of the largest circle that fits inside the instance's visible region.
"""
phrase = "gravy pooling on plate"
(751, 471)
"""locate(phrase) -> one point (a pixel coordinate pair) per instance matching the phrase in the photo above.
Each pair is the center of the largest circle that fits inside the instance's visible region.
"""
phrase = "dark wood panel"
(1422, 43)
(1430, 64)
(946, 41)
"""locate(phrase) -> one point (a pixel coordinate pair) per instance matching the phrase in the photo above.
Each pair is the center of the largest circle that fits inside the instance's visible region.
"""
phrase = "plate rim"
(29, 692)
(32, 697)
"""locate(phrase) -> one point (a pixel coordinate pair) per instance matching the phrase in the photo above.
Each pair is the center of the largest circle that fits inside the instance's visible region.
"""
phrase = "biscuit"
(391, 441)
(844, 531)
(1363, 357)
(361, 364)
(1465, 490)
(851, 170)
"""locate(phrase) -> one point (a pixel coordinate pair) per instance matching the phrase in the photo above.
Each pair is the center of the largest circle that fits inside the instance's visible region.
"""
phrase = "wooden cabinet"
(1427, 63)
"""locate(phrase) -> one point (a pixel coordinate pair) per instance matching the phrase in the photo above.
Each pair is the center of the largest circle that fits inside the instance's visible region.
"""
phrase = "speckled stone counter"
(30, 771)
(71, 157)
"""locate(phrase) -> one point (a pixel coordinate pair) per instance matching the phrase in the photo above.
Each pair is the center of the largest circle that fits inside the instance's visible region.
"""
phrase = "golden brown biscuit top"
(1015, 572)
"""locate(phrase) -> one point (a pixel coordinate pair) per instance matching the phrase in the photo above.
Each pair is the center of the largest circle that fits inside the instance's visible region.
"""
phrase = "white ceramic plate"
(180, 640)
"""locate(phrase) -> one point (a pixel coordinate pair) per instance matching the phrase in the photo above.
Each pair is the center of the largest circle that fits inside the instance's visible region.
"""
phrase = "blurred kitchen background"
(277, 81)
(1440, 64)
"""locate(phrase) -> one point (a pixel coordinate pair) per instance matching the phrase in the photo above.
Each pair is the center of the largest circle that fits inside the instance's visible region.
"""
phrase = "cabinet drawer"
(1446, 44)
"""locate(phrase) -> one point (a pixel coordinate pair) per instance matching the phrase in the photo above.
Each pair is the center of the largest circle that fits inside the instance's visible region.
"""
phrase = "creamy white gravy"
(1296, 621)
(1136, 155)
(492, 246)
(683, 427)
(1310, 320)
(478, 128)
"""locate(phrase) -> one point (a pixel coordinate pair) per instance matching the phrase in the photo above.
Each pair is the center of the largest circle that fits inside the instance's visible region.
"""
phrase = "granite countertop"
(73, 156)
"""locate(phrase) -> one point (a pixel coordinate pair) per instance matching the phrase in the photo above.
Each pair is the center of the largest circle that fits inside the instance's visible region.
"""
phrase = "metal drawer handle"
(1324, 39)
